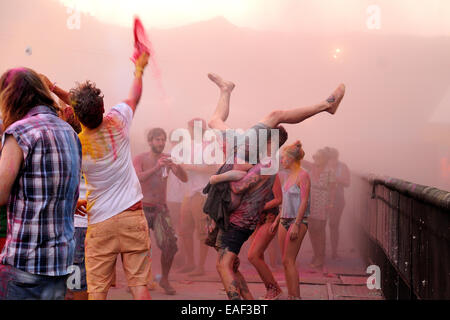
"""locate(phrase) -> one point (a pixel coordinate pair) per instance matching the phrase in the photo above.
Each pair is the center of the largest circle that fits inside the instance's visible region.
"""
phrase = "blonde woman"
(295, 211)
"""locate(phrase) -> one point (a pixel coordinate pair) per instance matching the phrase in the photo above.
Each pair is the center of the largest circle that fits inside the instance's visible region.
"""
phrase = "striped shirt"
(41, 206)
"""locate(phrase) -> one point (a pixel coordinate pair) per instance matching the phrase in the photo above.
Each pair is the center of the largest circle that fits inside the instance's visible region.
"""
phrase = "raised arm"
(60, 93)
(136, 87)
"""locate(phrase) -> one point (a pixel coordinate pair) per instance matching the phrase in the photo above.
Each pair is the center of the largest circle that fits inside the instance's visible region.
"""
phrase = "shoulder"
(31, 128)
(123, 109)
(303, 177)
(140, 156)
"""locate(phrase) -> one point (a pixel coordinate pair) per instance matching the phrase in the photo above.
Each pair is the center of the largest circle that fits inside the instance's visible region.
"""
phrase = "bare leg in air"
(276, 117)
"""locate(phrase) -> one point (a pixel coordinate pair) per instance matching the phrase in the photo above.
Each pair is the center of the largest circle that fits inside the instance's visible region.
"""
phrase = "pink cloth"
(141, 41)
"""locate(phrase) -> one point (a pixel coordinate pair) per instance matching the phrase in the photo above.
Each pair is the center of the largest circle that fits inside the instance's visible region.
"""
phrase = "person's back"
(112, 184)
(116, 222)
(43, 199)
(39, 175)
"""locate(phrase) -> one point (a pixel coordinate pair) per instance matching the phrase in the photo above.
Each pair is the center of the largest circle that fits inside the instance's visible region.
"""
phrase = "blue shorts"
(16, 284)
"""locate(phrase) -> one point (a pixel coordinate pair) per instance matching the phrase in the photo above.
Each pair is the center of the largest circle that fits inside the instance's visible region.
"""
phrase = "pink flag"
(141, 42)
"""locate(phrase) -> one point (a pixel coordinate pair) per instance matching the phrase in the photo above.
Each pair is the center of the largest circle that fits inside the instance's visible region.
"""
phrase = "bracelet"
(297, 224)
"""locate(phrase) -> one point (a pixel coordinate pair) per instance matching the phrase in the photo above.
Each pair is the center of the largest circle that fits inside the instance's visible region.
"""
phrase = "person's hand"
(293, 232)
(211, 225)
(142, 61)
(164, 161)
(81, 208)
(274, 227)
(46, 81)
(173, 165)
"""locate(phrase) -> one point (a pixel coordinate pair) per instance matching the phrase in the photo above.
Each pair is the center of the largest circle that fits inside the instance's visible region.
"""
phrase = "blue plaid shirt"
(41, 206)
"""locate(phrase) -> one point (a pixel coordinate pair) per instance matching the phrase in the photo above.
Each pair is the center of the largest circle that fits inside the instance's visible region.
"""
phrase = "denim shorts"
(79, 261)
(16, 284)
(233, 238)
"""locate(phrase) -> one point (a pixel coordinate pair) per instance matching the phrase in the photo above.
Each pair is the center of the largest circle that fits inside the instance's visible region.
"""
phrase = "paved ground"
(344, 278)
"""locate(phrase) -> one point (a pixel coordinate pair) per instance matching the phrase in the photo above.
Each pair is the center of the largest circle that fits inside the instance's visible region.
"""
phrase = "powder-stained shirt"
(43, 198)
(111, 180)
(248, 213)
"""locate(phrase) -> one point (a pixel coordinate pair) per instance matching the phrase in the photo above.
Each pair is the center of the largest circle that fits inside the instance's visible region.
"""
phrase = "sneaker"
(274, 295)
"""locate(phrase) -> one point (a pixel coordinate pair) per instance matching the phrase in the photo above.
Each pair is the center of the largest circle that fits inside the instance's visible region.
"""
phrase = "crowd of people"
(72, 196)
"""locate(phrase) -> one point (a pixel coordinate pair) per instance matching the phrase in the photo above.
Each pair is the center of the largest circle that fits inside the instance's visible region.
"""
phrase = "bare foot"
(335, 99)
(197, 272)
(167, 287)
(222, 84)
(151, 286)
(186, 269)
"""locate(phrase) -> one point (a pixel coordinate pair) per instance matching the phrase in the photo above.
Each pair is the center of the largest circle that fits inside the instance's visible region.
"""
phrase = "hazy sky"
(424, 17)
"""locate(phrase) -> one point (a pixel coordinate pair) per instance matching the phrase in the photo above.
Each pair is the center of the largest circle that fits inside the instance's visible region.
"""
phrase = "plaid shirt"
(41, 206)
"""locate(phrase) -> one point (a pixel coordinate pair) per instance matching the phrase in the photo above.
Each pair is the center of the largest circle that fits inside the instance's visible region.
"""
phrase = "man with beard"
(153, 169)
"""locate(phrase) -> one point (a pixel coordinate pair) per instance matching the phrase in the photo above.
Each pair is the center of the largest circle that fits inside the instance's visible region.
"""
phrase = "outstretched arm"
(232, 175)
(136, 88)
(252, 178)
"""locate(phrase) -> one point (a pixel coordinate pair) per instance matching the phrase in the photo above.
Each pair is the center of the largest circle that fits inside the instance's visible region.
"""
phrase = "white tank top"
(291, 202)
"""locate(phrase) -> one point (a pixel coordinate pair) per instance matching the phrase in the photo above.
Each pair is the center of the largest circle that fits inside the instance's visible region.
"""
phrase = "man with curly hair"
(116, 222)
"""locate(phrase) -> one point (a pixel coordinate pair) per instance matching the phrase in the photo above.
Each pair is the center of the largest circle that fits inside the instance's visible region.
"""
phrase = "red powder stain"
(143, 44)
(113, 143)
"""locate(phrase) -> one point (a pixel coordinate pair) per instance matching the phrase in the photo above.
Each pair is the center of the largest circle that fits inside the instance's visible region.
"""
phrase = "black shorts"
(233, 238)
